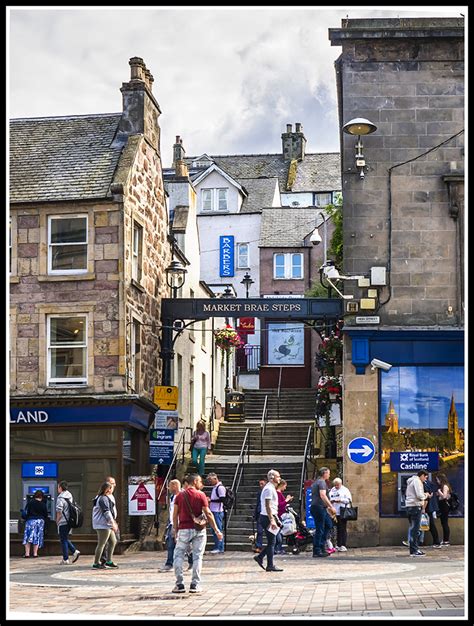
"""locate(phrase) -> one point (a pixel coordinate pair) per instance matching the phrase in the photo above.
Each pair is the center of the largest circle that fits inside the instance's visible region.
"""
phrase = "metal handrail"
(179, 448)
(308, 450)
(279, 393)
(237, 479)
(263, 423)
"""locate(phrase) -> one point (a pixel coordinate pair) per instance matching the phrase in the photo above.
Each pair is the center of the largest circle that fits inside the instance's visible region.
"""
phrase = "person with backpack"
(444, 494)
(216, 505)
(63, 502)
(103, 522)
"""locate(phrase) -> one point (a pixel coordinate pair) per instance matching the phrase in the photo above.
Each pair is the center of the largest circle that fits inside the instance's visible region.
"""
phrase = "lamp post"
(175, 278)
(229, 294)
(247, 281)
(359, 126)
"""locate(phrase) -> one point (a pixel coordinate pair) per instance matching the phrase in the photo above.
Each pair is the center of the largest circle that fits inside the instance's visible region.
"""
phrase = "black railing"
(263, 423)
(239, 473)
(307, 457)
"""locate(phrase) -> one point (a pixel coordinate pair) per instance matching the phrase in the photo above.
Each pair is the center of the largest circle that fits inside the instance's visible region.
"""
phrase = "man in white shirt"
(217, 508)
(268, 519)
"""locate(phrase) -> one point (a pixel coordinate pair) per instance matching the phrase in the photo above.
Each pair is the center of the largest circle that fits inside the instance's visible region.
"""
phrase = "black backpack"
(75, 516)
(228, 499)
(453, 502)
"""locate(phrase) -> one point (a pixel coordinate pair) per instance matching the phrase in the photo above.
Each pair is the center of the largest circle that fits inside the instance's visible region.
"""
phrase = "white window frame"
(288, 265)
(76, 243)
(240, 264)
(137, 251)
(69, 380)
(211, 199)
(135, 327)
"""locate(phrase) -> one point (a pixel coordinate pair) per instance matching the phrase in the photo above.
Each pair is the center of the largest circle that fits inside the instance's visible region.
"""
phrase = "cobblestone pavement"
(373, 582)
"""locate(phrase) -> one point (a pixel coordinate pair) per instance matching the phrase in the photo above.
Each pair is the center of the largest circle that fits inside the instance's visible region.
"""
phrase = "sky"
(227, 80)
(422, 395)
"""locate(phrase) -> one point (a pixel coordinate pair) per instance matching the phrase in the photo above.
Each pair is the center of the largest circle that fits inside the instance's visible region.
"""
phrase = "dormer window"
(214, 200)
(322, 199)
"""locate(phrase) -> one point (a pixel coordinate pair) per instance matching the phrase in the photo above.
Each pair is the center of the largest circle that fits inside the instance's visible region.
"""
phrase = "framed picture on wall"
(285, 344)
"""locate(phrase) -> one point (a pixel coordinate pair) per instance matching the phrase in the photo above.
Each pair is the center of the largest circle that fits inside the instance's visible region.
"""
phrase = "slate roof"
(317, 172)
(261, 192)
(286, 227)
(62, 158)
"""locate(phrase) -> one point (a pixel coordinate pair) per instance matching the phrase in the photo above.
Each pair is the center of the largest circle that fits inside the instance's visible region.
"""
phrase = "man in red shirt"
(189, 503)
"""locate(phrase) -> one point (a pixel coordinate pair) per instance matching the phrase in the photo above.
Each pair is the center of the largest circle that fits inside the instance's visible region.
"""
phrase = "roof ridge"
(64, 117)
(279, 154)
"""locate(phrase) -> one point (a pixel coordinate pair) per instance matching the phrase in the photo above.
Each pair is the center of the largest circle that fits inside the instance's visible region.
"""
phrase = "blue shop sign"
(37, 469)
(414, 461)
(127, 413)
(162, 445)
(226, 255)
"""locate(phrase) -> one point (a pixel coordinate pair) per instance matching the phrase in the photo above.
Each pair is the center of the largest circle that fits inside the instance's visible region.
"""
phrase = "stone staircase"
(281, 438)
(294, 404)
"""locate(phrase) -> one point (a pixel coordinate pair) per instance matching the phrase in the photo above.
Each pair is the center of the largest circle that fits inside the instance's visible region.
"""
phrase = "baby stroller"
(303, 537)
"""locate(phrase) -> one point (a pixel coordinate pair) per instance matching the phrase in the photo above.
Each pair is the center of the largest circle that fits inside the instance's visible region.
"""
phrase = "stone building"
(89, 244)
(404, 233)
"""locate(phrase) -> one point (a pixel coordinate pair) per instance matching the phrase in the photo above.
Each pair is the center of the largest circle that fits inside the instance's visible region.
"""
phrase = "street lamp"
(175, 276)
(247, 281)
(359, 126)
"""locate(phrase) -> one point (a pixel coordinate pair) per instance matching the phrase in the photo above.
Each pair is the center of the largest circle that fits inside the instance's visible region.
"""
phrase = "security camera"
(377, 363)
(315, 238)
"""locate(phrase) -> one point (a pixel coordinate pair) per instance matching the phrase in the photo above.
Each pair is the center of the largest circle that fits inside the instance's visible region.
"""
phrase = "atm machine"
(402, 487)
(40, 476)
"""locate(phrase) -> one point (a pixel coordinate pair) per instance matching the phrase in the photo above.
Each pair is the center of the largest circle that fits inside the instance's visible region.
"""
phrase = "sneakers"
(111, 564)
(103, 560)
(330, 550)
(405, 543)
(436, 545)
(166, 568)
(258, 560)
(419, 553)
(75, 556)
(320, 555)
(273, 569)
(445, 543)
(98, 566)
(193, 588)
(341, 548)
(178, 588)
(215, 551)
(64, 562)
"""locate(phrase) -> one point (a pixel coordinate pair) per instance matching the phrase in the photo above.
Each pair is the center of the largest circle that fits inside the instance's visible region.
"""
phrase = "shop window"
(137, 247)
(67, 244)
(421, 421)
(67, 350)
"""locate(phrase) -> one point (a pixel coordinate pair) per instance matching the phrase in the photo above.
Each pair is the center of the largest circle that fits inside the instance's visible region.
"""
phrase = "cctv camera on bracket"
(378, 364)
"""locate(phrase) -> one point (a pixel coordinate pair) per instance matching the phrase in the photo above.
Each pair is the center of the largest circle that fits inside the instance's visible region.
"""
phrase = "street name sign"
(361, 450)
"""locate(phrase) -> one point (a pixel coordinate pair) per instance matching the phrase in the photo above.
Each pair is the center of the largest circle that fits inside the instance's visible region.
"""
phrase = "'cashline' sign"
(414, 461)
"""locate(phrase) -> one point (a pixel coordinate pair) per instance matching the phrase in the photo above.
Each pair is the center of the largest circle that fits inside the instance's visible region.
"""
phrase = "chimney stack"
(140, 109)
(181, 169)
(293, 143)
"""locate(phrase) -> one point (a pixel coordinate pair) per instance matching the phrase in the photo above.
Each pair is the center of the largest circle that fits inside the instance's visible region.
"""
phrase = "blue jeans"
(66, 545)
(414, 519)
(201, 453)
(259, 539)
(269, 549)
(196, 541)
(323, 524)
(279, 543)
(218, 543)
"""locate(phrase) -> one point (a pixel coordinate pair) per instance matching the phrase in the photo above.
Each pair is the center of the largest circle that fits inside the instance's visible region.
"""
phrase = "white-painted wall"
(215, 180)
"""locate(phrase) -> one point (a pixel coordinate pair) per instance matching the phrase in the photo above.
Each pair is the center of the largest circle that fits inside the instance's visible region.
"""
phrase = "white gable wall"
(216, 181)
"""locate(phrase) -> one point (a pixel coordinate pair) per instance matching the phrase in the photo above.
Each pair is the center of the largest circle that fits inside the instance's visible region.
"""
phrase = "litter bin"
(234, 407)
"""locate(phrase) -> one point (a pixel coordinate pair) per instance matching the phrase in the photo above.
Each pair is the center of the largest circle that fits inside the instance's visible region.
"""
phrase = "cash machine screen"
(32, 489)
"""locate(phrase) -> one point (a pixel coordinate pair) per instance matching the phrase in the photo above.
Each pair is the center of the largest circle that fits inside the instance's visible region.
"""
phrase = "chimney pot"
(289, 128)
(298, 127)
(137, 67)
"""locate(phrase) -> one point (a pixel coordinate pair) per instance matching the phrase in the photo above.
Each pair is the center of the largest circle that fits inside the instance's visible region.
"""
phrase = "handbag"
(349, 512)
(200, 521)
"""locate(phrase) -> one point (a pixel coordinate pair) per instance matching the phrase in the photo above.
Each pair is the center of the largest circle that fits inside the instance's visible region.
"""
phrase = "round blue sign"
(361, 450)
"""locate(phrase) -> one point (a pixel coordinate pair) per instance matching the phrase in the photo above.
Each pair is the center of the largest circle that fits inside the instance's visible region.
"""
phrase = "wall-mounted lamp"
(359, 126)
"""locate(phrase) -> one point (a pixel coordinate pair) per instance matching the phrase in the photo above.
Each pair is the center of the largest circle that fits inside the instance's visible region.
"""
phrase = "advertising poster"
(286, 344)
(141, 495)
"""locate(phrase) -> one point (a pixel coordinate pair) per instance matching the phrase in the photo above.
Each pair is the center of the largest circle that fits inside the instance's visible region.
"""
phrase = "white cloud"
(228, 81)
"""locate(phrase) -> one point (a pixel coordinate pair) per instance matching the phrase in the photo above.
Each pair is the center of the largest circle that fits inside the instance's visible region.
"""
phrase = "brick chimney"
(140, 109)
(293, 143)
(180, 167)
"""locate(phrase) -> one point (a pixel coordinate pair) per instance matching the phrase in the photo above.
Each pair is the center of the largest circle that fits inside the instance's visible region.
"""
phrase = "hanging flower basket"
(227, 339)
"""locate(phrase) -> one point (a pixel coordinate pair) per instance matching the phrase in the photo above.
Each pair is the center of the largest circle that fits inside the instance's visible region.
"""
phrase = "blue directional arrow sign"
(361, 450)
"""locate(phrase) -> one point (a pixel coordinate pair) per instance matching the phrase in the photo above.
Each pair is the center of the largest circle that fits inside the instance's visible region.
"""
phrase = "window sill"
(275, 278)
(137, 285)
(63, 277)
(14, 279)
